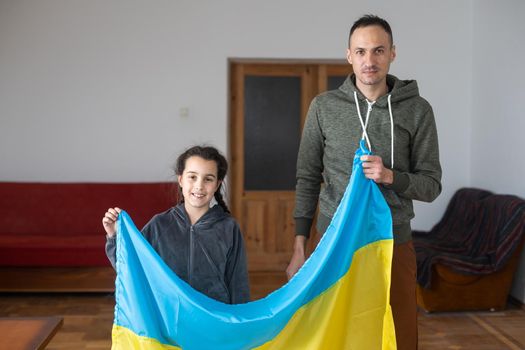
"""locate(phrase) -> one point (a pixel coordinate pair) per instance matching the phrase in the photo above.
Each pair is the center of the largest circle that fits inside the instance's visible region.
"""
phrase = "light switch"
(184, 112)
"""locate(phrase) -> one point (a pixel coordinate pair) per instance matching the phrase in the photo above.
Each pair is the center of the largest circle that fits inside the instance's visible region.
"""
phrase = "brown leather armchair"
(468, 260)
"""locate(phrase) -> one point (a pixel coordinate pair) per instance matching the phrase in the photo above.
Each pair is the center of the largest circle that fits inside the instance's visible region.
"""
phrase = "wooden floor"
(88, 319)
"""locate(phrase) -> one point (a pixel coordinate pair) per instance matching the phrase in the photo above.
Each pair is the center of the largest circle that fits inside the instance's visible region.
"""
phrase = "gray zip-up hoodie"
(331, 135)
(208, 255)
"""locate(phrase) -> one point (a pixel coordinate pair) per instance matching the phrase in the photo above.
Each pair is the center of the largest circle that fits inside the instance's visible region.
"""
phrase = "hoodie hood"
(399, 90)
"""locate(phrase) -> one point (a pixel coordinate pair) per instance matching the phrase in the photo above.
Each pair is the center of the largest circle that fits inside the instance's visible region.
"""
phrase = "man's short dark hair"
(371, 20)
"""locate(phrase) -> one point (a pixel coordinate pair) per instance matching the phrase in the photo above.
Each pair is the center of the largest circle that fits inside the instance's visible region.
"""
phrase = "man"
(399, 128)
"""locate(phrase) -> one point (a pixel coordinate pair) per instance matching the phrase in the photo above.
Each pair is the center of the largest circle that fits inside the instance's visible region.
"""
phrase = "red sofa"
(51, 235)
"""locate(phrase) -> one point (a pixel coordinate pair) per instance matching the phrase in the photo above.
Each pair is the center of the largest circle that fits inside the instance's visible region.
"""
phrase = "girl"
(203, 245)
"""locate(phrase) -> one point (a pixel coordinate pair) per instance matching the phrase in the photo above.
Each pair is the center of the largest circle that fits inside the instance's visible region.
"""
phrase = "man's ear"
(393, 54)
(348, 56)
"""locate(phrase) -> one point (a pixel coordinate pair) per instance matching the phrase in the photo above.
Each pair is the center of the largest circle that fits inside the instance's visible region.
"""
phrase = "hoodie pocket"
(215, 276)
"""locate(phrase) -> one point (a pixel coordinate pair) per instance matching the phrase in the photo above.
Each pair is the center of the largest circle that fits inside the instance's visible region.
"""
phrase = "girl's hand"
(109, 221)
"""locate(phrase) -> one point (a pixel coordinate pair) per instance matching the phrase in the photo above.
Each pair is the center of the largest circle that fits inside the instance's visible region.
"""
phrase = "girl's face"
(199, 182)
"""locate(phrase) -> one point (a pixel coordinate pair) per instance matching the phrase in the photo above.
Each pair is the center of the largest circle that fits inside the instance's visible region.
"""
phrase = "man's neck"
(373, 92)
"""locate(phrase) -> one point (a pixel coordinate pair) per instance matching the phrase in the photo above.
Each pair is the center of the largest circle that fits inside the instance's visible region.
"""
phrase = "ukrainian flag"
(339, 299)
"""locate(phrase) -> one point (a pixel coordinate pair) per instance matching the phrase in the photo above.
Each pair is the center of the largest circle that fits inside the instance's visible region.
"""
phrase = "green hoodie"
(331, 135)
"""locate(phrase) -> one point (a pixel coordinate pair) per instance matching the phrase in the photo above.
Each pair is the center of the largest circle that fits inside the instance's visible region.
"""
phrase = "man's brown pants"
(403, 296)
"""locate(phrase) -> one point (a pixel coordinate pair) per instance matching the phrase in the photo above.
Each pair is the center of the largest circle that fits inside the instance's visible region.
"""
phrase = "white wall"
(498, 88)
(91, 90)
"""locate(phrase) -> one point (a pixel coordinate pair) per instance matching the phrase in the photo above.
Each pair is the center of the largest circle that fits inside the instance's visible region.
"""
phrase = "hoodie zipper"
(364, 124)
(190, 257)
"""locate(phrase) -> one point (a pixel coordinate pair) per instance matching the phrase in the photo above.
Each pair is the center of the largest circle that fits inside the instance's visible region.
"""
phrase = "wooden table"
(27, 333)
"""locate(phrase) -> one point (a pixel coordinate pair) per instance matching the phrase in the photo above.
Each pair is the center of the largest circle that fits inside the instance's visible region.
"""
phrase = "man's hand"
(374, 169)
(298, 256)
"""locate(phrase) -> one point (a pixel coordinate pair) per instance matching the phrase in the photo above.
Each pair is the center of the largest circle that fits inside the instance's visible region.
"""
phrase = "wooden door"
(268, 106)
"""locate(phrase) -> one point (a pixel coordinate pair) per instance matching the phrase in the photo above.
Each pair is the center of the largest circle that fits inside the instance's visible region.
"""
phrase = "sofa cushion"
(60, 224)
(452, 277)
(52, 250)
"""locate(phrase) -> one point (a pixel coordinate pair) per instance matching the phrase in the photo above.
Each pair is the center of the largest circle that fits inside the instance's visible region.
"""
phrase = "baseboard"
(57, 279)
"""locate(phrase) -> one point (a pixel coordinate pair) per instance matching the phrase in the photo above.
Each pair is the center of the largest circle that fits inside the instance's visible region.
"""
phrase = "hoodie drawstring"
(365, 124)
(391, 133)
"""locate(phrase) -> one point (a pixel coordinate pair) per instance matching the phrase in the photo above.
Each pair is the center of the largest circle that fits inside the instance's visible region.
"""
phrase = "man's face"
(370, 54)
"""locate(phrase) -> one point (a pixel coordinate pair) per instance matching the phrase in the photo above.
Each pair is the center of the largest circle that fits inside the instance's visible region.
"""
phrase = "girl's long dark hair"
(207, 153)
